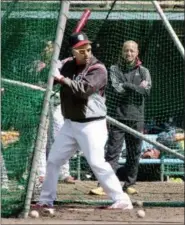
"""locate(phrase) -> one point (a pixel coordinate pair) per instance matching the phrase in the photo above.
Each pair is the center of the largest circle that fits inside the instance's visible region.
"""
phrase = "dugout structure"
(28, 27)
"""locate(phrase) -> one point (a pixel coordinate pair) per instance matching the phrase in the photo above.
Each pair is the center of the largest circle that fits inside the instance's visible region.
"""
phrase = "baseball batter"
(83, 79)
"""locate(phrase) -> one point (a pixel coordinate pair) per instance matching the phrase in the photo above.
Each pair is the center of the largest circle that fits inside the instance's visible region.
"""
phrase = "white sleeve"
(59, 64)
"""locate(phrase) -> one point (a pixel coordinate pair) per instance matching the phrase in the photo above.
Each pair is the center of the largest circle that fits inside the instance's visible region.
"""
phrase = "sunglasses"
(83, 51)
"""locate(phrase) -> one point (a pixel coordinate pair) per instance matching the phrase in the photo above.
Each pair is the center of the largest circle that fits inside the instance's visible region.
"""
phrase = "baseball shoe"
(44, 209)
(97, 191)
(121, 205)
(131, 191)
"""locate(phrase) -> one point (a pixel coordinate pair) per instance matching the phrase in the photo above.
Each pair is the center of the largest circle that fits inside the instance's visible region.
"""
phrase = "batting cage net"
(28, 35)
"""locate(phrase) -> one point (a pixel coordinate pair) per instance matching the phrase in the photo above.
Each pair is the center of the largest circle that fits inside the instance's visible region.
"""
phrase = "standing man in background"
(83, 80)
(56, 121)
(4, 176)
(133, 82)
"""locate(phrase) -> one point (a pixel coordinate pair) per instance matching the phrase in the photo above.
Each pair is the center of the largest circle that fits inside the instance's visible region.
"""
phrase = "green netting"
(21, 108)
(23, 43)
(27, 27)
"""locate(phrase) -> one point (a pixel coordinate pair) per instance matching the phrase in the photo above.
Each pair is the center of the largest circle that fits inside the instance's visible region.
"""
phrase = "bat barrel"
(83, 20)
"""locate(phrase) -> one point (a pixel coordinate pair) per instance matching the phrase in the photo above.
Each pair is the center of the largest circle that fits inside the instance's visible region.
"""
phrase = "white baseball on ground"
(34, 214)
(141, 213)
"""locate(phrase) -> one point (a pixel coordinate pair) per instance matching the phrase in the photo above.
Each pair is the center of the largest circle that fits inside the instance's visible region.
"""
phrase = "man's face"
(83, 54)
(130, 51)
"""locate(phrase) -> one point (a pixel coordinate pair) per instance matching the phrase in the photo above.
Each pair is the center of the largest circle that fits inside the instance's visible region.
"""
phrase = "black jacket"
(127, 83)
(82, 94)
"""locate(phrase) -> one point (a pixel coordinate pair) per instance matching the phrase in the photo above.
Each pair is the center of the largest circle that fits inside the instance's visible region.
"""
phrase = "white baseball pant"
(56, 121)
(90, 137)
(55, 124)
(4, 176)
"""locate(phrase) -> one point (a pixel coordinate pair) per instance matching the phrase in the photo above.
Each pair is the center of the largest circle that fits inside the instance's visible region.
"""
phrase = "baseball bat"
(83, 21)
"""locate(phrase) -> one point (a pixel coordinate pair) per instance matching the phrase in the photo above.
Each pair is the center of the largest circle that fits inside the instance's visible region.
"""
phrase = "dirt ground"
(96, 216)
(92, 214)
(147, 191)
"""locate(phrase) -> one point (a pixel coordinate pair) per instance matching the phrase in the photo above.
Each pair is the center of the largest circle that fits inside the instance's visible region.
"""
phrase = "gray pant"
(4, 177)
(129, 172)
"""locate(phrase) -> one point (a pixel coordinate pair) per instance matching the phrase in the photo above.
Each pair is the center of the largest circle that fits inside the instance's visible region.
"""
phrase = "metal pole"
(169, 28)
(78, 165)
(143, 137)
(64, 10)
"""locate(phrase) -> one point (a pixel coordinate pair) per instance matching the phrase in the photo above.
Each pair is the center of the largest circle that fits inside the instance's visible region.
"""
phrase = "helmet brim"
(81, 43)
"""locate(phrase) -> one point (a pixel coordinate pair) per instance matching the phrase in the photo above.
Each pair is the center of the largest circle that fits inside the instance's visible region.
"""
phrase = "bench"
(164, 163)
(167, 165)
